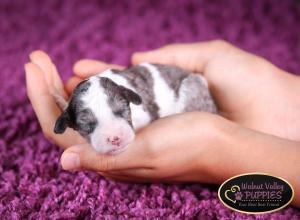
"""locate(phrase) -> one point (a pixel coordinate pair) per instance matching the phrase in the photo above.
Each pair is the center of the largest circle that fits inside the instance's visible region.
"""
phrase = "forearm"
(247, 151)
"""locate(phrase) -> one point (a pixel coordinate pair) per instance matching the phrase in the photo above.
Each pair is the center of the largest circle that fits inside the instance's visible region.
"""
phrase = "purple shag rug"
(32, 183)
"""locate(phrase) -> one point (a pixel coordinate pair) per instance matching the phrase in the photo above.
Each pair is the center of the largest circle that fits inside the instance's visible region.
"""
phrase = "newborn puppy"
(107, 108)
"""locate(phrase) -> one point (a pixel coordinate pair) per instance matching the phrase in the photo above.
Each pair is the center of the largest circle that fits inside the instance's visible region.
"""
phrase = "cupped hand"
(161, 151)
(249, 91)
(179, 148)
(43, 83)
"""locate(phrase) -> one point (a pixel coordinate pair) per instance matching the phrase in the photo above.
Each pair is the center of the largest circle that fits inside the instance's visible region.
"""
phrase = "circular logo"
(256, 193)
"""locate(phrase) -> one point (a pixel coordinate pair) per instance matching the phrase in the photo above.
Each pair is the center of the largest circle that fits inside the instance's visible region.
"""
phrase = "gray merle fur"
(75, 115)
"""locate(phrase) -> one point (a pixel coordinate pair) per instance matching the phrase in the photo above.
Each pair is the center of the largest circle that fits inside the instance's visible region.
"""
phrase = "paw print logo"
(238, 196)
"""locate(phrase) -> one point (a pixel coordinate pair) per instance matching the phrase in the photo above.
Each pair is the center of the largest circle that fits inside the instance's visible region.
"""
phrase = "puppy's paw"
(60, 101)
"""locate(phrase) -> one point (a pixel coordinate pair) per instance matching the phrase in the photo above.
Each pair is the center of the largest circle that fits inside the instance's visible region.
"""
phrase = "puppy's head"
(99, 110)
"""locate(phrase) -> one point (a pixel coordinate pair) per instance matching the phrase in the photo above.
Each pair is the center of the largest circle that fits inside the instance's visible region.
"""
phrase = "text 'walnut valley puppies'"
(107, 108)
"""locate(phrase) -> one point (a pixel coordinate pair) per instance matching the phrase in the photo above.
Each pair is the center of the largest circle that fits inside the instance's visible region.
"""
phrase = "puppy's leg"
(60, 101)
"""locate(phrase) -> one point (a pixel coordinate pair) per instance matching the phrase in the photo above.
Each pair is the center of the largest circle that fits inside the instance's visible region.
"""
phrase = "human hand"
(155, 147)
(202, 57)
(178, 148)
(43, 83)
(244, 86)
(194, 146)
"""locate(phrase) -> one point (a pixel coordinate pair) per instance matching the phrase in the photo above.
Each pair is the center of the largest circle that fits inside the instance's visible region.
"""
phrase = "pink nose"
(115, 140)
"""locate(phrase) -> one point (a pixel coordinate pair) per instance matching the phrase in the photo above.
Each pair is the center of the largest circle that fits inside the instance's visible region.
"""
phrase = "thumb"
(192, 57)
(85, 157)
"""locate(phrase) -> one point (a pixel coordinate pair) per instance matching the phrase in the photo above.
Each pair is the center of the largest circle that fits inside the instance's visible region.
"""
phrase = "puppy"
(109, 107)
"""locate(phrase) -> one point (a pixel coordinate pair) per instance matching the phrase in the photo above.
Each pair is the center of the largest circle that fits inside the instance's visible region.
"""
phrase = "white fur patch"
(108, 125)
(164, 95)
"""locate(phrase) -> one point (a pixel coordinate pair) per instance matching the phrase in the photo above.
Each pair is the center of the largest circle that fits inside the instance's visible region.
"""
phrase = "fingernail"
(70, 161)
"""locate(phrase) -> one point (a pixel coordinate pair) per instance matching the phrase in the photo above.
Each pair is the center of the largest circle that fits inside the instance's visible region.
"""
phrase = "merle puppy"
(107, 108)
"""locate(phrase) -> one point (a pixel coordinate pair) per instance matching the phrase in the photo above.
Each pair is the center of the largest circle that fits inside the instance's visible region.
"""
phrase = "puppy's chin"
(108, 150)
(113, 138)
(116, 151)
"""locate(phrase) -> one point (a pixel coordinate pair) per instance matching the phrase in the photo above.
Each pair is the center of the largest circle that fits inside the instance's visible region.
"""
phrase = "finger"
(87, 67)
(52, 77)
(58, 82)
(84, 157)
(72, 83)
(45, 107)
(192, 57)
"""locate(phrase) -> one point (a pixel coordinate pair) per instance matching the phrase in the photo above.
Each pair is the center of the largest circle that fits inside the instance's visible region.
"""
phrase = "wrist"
(236, 152)
(242, 150)
(216, 160)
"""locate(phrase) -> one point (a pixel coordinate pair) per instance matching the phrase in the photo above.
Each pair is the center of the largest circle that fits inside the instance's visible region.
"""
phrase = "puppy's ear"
(114, 88)
(131, 96)
(61, 123)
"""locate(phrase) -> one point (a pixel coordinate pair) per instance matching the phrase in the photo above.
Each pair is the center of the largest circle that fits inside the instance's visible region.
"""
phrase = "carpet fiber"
(32, 183)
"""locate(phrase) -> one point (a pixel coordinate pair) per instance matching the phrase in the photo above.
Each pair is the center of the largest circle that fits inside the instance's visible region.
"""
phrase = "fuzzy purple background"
(32, 183)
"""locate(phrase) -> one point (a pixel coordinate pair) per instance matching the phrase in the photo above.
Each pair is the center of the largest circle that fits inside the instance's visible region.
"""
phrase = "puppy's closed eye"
(86, 121)
(120, 112)
(83, 117)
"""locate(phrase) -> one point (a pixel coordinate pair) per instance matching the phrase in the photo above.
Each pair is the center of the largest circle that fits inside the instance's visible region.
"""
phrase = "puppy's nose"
(115, 140)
